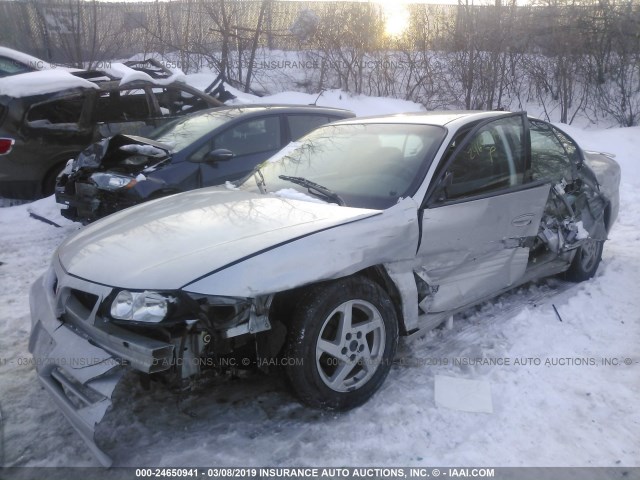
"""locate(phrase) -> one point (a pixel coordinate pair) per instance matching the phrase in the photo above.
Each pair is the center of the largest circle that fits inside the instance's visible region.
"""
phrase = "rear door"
(479, 215)
(126, 110)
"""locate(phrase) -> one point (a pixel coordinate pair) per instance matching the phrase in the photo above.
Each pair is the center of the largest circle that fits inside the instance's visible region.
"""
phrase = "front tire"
(586, 261)
(341, 343)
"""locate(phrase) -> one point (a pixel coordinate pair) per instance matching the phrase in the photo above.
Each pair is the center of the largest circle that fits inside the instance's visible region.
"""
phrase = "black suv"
(203, 149)
(40, 132)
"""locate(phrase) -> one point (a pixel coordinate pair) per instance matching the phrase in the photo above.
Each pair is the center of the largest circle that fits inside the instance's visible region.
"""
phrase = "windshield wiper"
(312, 186)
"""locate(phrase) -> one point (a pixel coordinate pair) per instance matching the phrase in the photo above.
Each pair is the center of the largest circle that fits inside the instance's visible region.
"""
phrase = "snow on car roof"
(127, 75)
(24, 58)
(41, 82)
(49, 81)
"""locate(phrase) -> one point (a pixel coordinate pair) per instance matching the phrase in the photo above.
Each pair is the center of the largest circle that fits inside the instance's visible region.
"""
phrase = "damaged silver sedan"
(362, 231)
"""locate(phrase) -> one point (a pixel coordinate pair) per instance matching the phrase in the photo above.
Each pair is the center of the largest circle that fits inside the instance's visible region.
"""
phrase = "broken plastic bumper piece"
(77, 360)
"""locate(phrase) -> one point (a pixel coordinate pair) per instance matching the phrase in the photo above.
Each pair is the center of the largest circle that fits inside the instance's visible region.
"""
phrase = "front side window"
(184, 131)
(493, 159)
(200, 153)
(367, 165)
(253, 136)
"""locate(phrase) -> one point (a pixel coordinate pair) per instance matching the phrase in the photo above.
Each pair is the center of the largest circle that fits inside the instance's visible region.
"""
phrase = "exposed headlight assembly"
(146, 307)
(112, 181)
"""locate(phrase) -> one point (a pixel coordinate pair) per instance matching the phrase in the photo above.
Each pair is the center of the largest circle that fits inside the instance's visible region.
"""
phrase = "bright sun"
(396, 15)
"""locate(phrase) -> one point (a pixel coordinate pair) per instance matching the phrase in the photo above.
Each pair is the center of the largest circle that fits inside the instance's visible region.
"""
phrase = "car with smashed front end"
(363, 231)
(48, 117)
(200, 150)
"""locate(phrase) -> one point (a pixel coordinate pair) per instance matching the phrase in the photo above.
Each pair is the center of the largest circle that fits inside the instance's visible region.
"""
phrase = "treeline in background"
(569, 58)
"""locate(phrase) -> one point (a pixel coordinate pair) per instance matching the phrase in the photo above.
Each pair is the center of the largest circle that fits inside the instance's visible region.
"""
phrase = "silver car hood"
(168, 243)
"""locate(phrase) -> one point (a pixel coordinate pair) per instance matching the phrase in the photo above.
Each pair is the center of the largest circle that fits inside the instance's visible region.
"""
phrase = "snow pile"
(41, 82)
(361, 105)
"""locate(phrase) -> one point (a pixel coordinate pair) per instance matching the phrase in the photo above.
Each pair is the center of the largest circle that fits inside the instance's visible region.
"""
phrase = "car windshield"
(359, 165)
(184, 131)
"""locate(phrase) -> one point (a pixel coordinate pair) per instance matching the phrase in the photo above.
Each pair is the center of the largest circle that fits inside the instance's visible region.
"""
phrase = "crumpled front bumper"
(79, 358)
(85, 202)
(79, 376)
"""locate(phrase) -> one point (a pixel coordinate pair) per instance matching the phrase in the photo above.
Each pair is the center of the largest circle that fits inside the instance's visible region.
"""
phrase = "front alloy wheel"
(350, 345)
(344, 335)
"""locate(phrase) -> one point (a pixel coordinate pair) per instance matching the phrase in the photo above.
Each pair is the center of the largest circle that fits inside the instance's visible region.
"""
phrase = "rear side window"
(120, 106)
(300, 125)
(551, 153)
(252, 136)
(67, 110)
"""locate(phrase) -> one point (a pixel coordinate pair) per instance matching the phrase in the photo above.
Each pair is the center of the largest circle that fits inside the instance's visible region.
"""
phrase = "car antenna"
(317, 98)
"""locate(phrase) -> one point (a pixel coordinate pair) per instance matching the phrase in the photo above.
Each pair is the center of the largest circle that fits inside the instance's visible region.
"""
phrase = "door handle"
(523, 220)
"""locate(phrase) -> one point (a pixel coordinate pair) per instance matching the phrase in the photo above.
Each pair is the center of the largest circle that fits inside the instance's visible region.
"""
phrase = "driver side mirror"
(218, 155)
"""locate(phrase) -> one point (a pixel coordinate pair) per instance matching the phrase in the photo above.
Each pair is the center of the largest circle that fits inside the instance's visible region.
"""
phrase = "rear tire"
(341, 342)
(586, 260)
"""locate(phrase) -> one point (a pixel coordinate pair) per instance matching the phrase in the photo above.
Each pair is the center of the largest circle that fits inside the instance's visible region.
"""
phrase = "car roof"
(129, 74)
(437, 117)
(42, 82)
(260, 108)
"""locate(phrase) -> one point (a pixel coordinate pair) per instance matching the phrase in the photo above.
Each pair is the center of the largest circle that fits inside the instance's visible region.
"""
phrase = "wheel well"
(607, 216)
(284, 302)
(379, 275)
(53, 171)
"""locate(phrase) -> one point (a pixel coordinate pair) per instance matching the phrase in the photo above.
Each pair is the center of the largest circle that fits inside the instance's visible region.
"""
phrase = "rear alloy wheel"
(342, 340)
(586, 261)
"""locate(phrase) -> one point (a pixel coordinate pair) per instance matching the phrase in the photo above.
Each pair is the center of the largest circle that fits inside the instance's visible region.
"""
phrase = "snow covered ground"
(560, 412)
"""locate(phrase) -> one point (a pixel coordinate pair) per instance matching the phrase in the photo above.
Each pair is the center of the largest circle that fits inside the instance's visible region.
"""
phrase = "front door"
(479, 215)
(251, 141)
